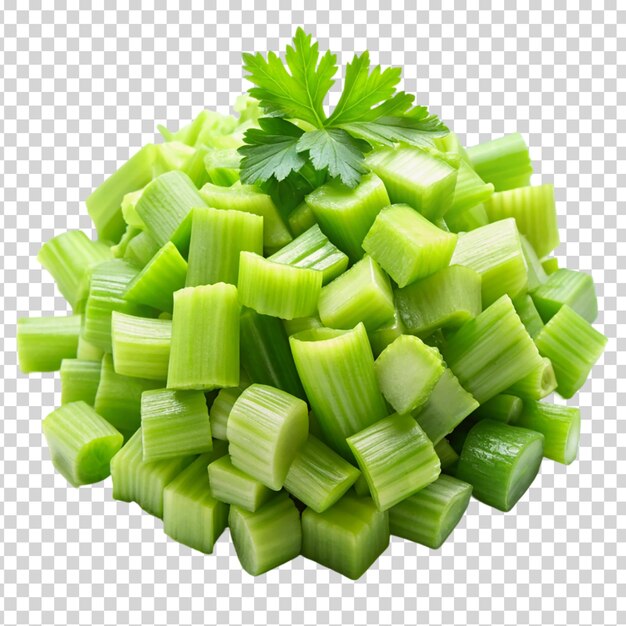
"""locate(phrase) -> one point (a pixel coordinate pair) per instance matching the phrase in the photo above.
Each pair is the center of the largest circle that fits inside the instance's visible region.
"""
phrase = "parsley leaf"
(271, 151)
(298, 95)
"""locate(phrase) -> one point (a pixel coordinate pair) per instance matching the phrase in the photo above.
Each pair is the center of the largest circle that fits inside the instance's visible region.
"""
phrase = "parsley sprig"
(296, 139)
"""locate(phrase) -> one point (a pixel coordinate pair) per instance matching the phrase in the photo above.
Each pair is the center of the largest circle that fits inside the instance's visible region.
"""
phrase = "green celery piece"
(174, 423)
(573, 346)
(550, 265)
(69, 257)
(81, 443)
(470, 219)
(504, 162)
(345, 215)
(362, 294)
(538, 384)
(217, 239)
(576, 289)
(406, 245)
(144, 482)
(109, 282)
(503, 408)
(221, 408)
(268, 537)
(318, 476)
(141, 346)
(129, 202)
(451, 143)
(536, 274)
(278, 290)
(250, 199)
(396, 457)
(195, 167)
(412, 176)
(559, 425)
(141, 249)
(104, 204)
(500, 461)
(336, 368)
(174, 155)
(470, 190)
(156, 283)
(301, 219)
(348, 537)
(79, 381)
(446, 299)
(495, 252)
(313, 250)
(232, 486)
(387, 333)
(164, 206)
(87, 351)
(265, 353)
(204, 352)
(118, 398)
(118, 251)
(527, 311)
(266, 428)
(448, 405)
(407, 371)
(429, 516)
(491, 352)
(534, 211)
(222, 166)
(191, 515)
(43, 342)
(447, 456)
(298, 324)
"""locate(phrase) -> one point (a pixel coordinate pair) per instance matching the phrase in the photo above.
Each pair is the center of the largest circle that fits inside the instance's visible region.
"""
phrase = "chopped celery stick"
(318, 477)
(217, 239)
(204, 352)
(407, 371)
(43, 342)
(345, 215)
(222, 166)
(503, 408)
(396, 457)
(195, 167)
(527, 311)
(164, 205)
(469, 191)
(141, 346)
(500, 461)
(492, 351)
(336, 368)
(268, 537)
(534, 211)
(79, 381)
(81, 443)
(191, 515)
(266, 428)
(104, 204)
(174, 155)
(538, 384)
(129, 202)
(573, 346)
(298, 324)
(174, 423)
(559, 425)
(265, 353)
(278, 290)
(155, 285)
(536, 273)
(118, 398)
(221, 408)
(447, 299)
(495, 252)
(313, 250)
(69, 257)
(469, 219)
(505, 162)
(362, 294)
(87, 351)
(109, 282)
(141, 249)
(451, 143)
(448, 405)
(144, 482)
(386, 334)
(576, 289)
(348, 537)
(301, 219)
(407, 245)
(423, 181)
(550, 265)
(232, 486)
(429, 516)
(250, 199)
(447, 456)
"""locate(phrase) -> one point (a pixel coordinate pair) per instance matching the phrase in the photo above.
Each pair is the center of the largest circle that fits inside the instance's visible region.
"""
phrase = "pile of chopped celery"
(316, 368)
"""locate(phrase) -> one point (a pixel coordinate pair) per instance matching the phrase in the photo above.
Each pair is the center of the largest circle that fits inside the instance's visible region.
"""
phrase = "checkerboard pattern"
(82, 89)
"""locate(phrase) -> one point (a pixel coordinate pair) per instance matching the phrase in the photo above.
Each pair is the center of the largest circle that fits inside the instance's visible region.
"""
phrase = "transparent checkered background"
(83, 89)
